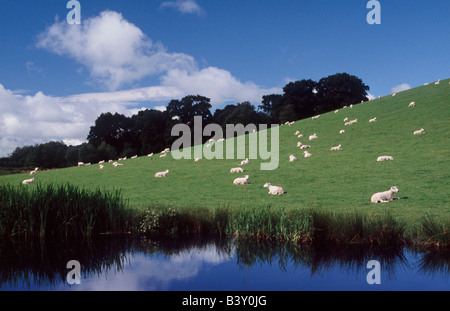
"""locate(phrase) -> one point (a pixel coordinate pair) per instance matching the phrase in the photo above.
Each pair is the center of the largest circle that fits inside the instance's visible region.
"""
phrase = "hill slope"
(338, 180)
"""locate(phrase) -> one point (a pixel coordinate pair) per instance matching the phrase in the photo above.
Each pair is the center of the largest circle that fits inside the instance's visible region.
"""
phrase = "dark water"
(142, 264)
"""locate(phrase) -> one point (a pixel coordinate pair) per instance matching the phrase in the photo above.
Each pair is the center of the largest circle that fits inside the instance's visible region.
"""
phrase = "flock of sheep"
(383, 197)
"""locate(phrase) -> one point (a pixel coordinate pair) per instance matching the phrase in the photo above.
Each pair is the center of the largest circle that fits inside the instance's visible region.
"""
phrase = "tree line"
(116, 135)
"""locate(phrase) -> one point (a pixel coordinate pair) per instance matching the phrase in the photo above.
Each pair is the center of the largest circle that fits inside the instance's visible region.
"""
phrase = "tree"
(271, 105)
(300, 99)
(152, 129)
(188, 107)
(339, 90)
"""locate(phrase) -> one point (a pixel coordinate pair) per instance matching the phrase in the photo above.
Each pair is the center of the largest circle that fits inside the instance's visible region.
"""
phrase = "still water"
(144, 264)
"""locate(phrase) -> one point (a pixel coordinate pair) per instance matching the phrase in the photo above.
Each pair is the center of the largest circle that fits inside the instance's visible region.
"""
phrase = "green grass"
(339, 182)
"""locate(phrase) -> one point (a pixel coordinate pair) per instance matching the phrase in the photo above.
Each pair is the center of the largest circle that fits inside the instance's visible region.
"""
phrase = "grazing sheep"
(313, 137)
(346, 119)
(339, 147)
(437, 82)
(297, 132)
(32, 172)
(80, 164)
(101, 166)
(116, 164)
(101, 162)
(134, 157)
(292, 158)
(274, 190)
(241, 180)
(412, 104)
(336, 111)
(418, 132)
(305, 147)
(28, 181)
(163, 155)
(150, 155)
(162, 174)
(315, 117)
(341, 131)
(307, 154)
(245, 162)
(236, 170)
(384, 196)
(373, 120)
(394, 94)
(197, 160)
(384, 158)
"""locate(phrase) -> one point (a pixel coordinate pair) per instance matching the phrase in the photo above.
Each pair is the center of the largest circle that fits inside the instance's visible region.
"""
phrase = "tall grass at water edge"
(61, 210)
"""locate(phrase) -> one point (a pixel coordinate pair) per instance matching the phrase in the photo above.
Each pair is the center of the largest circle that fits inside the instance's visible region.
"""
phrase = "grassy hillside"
(332, 180)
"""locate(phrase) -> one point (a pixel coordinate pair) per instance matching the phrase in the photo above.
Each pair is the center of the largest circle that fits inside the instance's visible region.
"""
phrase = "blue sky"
(56, 78)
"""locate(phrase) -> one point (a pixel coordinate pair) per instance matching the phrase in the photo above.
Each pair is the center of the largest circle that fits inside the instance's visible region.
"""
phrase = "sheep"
(339, 147)
(437, 82)
(101, 162)
(336, 111)
(384, 158)
(33, 172)
(346, 119)
(385, 196)
(220, 140)
(307, 154)
(292, 158)
(351, 106)
(412, 104)
(245, 162)
(197, 160)
(163, 155)
(300, 136)
(241, 180)
(341, 131)
(418, 132)
(28, 181)
(236, 170)
(297, 133)
(274, 190)
(134, 157)
(394, 94)
(116, 164)
(162, 174)
(315, 117)
(80, 164)
(373, 120)
(313, 137)
(101, 166)
(305, 147)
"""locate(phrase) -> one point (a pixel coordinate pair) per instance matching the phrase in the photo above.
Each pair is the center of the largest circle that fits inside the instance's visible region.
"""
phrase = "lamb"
(385, 196)
(241, 180)
(412, 104)
(245, 162)
(418, 132)
(339, 147)
(307, 154)
(236, 170)
(274, 190)
(373, 120)
(162, 174)
(384, 158)
(292, 158)
(313, 137)
(28, 181)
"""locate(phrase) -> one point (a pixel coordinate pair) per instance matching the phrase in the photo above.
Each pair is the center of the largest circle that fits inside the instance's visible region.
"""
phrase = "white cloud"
(114, 51)
(184, 6)
(400, 88)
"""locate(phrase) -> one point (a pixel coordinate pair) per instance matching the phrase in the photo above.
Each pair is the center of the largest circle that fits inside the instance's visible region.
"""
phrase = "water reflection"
(210, 263)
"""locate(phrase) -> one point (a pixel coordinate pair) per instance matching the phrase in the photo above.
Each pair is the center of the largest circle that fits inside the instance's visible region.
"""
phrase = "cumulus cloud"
(184, 6)
(115, 51)
(400, 88)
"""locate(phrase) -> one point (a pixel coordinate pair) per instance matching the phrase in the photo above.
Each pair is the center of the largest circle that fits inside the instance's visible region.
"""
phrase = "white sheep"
(28, 181)
(300, 136)
(241, 180)
(101, 166)
(299, 144)
(101, 162)
(305, 147)
(80, 164)
(412, 104)
(162, 174)
(236, 170)
(116, 164)
(150, 155)
(315, 117)
(163, 155)
(345, 119)
(336, 111)
(274, 190)
(245, 162)
(384, 196)
(341, 131)
(384, 158)
(32, 172)
(297, 132)
(313, 137)
(437, 82)
(418, 132)
(197, 160)
(339, 147)
(134, 157)
(307, 154)
(373, 120)
(292, 158)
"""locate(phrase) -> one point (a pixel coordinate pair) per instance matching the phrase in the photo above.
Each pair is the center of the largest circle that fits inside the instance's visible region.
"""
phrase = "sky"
(56, 78)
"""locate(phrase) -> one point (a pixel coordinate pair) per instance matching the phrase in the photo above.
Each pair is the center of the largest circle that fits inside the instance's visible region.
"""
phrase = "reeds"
(61, 210)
